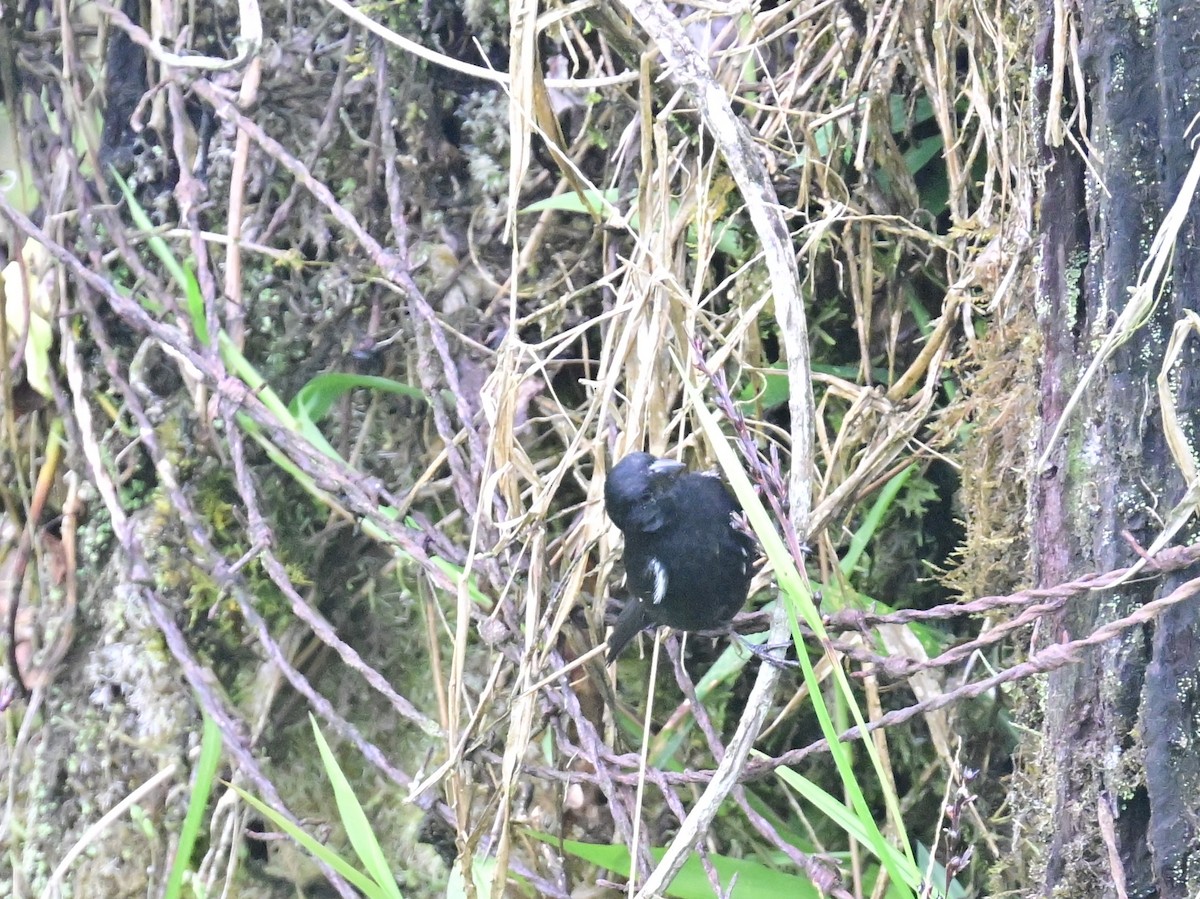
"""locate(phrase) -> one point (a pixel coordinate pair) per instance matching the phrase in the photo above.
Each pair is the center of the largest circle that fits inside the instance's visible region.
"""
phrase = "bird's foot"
(763, 652)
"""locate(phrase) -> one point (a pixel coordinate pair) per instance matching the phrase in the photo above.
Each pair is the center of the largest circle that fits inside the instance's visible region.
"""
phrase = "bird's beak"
(666, 468)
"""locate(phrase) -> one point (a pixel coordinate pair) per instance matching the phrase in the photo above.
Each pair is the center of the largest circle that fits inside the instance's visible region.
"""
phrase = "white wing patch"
(660, 580)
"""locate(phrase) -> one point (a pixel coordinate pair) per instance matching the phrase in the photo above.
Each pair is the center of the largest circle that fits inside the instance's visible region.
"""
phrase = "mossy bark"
(1116, 728)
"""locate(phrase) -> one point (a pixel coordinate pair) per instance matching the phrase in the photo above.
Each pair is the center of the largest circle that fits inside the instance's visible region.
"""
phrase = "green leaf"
(183, 277)
(570, 201)
(874, 520)
(830, 806)
(768, 389)
(753, 879)
(354, 819)
(728, 238)
(902, 118)
(798, 599)
(483, 870)
(16, 180)
(316, 849)
(918, 156)
(313, 401)
(938, 874)
(203, 778)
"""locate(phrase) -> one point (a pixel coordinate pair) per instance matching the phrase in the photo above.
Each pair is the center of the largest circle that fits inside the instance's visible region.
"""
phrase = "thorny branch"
(1050, 658)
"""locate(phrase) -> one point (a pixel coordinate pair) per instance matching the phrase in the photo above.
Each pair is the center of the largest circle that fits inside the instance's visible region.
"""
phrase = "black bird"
(686, 564)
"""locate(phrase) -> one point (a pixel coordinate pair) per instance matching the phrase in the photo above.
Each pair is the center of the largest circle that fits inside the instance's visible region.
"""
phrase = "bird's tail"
(631, 620)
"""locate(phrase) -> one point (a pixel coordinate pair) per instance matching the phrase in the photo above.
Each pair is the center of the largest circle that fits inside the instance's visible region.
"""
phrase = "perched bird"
(686, 563)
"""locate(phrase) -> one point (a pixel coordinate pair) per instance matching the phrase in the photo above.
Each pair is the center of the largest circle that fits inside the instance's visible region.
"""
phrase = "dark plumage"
(686, 564)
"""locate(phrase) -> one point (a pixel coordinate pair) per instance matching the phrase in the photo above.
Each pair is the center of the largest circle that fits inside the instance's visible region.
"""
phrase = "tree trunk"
(1118, 728)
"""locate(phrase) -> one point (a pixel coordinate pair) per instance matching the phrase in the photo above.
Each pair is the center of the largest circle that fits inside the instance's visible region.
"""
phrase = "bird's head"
(635, 489)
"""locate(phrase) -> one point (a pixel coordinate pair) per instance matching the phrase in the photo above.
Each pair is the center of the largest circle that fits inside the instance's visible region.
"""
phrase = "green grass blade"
(203, 779)
(354, 819)
(183, 277)
(799, 601)
(318, 850)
